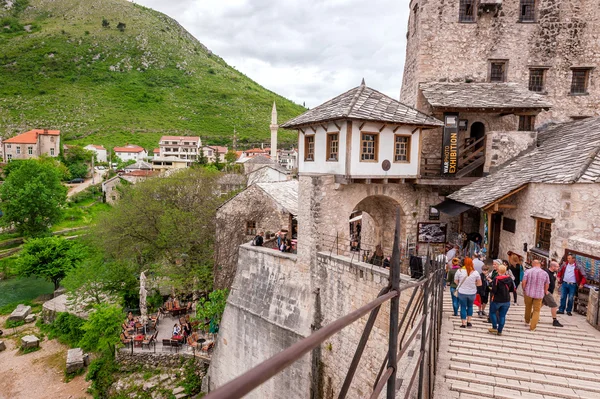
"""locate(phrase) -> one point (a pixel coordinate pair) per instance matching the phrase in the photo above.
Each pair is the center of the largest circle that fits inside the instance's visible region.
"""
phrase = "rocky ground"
(156, 384)
(36, 375)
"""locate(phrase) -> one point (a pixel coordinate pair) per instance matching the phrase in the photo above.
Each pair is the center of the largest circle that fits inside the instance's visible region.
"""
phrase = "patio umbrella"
(143, 305)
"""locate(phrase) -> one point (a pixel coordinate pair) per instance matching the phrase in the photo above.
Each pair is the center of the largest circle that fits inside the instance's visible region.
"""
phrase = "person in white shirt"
(451, 254)
(477, 263)
(467, 280)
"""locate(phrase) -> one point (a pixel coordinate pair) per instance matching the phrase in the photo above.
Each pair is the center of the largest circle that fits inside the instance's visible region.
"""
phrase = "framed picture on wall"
(434, 214)
(434, 233)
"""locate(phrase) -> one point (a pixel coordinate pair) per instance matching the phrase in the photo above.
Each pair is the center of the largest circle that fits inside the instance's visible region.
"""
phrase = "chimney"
(45, 131)
(274, 127)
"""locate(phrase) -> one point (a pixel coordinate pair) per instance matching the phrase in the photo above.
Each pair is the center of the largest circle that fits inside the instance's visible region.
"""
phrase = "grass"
(103, 86)
(13, 323)
(80, 215)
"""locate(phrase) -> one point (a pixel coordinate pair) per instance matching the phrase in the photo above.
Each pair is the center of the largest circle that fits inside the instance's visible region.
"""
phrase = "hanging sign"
(450, 144)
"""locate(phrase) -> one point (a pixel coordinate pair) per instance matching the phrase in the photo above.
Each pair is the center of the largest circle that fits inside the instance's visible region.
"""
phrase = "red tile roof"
(129, 148)
(156, 150)
(141, 173)
(255, 151)
(31, 136)
(98, 147)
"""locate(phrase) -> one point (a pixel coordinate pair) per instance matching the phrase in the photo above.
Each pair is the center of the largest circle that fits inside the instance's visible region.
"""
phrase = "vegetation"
(114, 72)
(67, 328)
(50, 258)
(212, 309)
(32, 197)
(103, 327)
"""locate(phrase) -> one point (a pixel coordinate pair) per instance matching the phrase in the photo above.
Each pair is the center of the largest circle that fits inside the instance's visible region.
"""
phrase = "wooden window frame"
(504, 71)
(18, 152)
(29, 150)
(307, 138)
(375, 147)
(328, 158)
(528, 17)
(463, 17)
(526, 123)
(408, 146)
(251, 227)
(542, 78)
(586, 81)
(538, 227)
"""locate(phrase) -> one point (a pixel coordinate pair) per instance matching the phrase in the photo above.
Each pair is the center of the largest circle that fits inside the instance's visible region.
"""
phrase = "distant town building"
(288, 158)
(268, 174)
(100, 151)
(130, 152)
(32, 144)
(185, 148)
(210, 152)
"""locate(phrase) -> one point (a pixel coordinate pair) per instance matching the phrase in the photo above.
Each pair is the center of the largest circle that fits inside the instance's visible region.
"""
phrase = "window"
(18, 149)
(9, 146)
(543, 233)
(9, 156)
(309, 148)
(369, 147)
(498, 71)
(332, 146)
(401, 148)
(526, 123)
(30, 150)
(251, 228)
(579, 84)
(466, 11)
(536, 79)
(527, 11)
(509, 225)
(51, 151)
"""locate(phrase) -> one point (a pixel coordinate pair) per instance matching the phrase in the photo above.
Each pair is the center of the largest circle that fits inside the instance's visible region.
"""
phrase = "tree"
(211, 310)
(202, 160)
(77, 154)
(105, 23)
(50, 258)
(230, 157)
(102, 328)
(32, 197)
(78, 170)
(217, 164)
(121, 26)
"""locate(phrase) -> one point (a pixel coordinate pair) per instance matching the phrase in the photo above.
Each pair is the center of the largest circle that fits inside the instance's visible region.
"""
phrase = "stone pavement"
(550, 363)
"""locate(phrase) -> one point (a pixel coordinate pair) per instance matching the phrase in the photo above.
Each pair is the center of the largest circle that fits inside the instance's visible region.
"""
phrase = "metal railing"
(426, 299)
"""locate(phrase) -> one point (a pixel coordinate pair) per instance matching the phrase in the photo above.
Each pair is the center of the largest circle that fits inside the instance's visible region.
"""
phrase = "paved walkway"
(550, 363)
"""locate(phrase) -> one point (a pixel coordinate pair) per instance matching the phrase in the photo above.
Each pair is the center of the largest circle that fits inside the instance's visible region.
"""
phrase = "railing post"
(424, 330)
(394, 310)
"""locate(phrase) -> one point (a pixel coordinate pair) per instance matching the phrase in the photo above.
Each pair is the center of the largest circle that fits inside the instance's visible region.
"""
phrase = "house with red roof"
(211, 152)
(184, 148)
(100, 151)
(32, 144)
(130, 152)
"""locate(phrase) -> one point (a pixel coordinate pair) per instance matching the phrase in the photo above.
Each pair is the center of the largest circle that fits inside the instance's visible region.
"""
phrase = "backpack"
(254, 241)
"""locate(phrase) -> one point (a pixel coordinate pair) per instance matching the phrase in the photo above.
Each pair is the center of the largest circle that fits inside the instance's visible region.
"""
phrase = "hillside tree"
(50, 258)
(32, 197)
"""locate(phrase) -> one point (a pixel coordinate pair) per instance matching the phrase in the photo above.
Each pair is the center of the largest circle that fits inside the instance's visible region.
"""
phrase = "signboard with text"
(450, 145)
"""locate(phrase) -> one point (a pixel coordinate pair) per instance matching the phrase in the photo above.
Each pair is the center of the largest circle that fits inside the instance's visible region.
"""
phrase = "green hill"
(65, 64)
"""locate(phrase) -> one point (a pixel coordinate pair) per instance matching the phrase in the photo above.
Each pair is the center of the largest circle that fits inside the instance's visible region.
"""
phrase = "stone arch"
(477, 131)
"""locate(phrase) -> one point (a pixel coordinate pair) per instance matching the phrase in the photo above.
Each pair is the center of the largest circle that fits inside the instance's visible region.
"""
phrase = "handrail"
(464, 160)
(463, 150)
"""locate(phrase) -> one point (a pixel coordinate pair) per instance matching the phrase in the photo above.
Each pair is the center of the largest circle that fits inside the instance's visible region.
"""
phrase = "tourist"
(478, 263)
(535, 285)
(452, 284)
(515, 266)
(549, 297)
(483, 290)
(258, 240)
(176, 330)
(570, 276)
(502, 286)
(467, 280)
(377, 258)
(451, 254)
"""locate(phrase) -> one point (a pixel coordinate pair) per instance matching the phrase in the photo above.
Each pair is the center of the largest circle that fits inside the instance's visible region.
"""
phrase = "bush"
(67, 328)
(101, 372)
(10, 25)
(91, 192)
(103, 327)
(78, 169)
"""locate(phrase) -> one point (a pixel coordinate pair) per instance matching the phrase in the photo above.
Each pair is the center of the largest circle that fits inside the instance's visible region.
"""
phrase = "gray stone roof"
(261, 160)
(139, 165)
(363, 103)
(567, 153)
(285, 193)
(481, 96)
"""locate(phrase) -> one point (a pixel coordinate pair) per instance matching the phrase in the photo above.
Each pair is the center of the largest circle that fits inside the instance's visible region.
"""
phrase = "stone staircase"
(550, 363)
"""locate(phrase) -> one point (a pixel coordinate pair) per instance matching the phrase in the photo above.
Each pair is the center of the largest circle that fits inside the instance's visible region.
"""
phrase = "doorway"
(477, 132)
(496, 225)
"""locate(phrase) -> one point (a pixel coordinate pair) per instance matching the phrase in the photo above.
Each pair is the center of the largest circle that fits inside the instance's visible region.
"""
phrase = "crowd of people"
(283, 242)
(472, 283)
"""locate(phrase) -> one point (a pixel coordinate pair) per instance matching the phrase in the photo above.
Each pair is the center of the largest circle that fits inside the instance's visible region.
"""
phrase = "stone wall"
(267, 311)
(149, 360)
(439, 48)
(504, 146)
(251, 204)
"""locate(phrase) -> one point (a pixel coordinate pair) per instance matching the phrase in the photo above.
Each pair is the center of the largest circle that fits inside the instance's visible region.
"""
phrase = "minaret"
(274, 128)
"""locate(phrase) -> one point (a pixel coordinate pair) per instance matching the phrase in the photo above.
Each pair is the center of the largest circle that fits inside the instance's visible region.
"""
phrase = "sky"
(306, 50)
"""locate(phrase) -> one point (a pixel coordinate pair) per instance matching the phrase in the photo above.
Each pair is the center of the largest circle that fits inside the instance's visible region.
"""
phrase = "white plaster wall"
(101, 155)
(320, 164)
(386, 152)
(136, 156)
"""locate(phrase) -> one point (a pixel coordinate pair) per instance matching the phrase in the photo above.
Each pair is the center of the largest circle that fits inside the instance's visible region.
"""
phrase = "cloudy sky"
(306, 50)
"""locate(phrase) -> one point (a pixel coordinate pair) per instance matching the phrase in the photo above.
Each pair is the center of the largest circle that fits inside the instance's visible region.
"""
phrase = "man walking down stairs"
(548, 363)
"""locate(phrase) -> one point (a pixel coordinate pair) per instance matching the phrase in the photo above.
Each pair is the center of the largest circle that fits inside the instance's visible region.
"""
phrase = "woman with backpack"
(467, 280)
(502, 286)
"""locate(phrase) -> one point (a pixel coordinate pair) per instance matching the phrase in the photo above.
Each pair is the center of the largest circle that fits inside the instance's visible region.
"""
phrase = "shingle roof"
(139, 165)
(363, 103)
(31, 136)
(285, 193)
(481, 96)
(567, 153)
(261, 160)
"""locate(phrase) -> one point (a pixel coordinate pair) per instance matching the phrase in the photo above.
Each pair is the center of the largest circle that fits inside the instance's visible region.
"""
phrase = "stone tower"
(548, 47)
(274, 127)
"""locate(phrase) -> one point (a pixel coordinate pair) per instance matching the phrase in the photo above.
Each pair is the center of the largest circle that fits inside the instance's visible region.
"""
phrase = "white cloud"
(308, 51)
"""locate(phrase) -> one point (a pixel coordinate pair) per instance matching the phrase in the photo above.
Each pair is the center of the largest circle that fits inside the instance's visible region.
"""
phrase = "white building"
(210, 152)
(101, 153)
(288, 158)
(186, 148)
(130, 152)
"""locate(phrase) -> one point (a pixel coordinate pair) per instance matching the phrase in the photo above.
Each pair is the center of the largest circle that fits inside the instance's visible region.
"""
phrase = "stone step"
(542, 329)
(493, 341)
(480, 386)
(533, 359)
(528, 337)
(516, 364)
(530, 379)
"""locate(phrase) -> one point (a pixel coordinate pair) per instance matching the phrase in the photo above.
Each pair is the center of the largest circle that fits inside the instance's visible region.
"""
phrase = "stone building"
(547, 47)
(32, 144)
(268, 174)
(262, 207)
(546, 202)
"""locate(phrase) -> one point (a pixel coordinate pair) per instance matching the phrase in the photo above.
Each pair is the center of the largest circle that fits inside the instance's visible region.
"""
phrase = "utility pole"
(93, 172)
